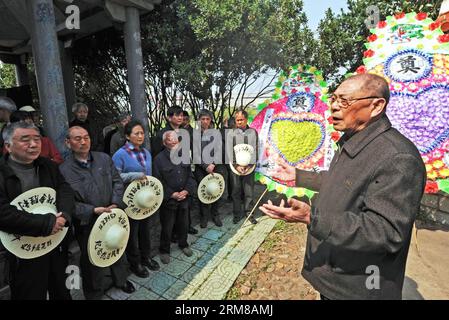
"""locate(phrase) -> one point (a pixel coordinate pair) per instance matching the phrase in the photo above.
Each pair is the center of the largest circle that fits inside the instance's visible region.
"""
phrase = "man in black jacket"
(81, 112)
(21, 170)
(175, 119)
(179, 185)
(361, 223)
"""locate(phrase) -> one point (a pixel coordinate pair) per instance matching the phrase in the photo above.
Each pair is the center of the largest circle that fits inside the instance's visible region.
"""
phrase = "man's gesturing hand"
(296, 211)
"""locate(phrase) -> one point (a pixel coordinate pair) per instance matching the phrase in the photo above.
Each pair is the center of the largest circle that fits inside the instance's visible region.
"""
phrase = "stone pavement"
(219, 255)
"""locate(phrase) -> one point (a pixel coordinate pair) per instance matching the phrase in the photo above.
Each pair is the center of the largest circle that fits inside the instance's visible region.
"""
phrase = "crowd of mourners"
(92, 179)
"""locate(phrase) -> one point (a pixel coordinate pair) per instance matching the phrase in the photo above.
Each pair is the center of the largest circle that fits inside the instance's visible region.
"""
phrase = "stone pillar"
(48, 70)
(68, 76)
(22, 78)
(134, 61)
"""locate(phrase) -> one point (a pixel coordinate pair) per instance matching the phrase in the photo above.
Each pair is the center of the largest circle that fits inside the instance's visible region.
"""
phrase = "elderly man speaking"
(360, 226)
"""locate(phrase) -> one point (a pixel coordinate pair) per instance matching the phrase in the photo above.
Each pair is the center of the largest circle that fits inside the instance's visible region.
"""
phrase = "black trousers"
(139, 243)
(31, 279)
(93, 276)
(174, 215)
(245, 184)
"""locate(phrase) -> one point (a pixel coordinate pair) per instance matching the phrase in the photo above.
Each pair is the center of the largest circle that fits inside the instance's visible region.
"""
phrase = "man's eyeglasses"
(346, 103)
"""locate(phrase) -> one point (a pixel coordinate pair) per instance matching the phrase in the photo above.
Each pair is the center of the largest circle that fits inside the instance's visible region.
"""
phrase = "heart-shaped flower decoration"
(297, 140)
(422, 118)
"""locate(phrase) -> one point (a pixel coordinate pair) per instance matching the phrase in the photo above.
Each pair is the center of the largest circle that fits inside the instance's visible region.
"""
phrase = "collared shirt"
(84, 164)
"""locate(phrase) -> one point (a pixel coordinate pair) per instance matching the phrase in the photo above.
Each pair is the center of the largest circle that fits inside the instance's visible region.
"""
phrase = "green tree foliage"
(198, 54)
(7, 76)
(342, 35)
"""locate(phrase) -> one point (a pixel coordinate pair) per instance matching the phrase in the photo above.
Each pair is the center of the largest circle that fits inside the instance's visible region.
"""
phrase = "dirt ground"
(273, 273)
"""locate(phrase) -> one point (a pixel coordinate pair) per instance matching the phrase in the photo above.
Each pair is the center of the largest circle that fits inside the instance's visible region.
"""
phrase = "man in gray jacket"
(98, 188)
(242, 185)
(360, 225)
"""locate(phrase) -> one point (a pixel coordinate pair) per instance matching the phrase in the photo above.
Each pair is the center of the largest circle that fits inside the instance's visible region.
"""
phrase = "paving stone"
(219, 249)
(160, 282)
(213, 235)
(214, 288)
(202, 244)
(186, 293)
(140, 281)
(175, 251)
(143, 294)
(177, 267)
(204, 260)
(176, 290)
(197, 254)
(227, 270)
(201, 231)
(190, 274)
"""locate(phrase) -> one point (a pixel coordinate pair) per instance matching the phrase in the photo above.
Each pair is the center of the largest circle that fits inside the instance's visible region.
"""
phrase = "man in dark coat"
(360, 225)
(175, 119)
(242, 185)
(21, 170)
(98, 188)
(179, 185)
(205, 166)
(81, 113)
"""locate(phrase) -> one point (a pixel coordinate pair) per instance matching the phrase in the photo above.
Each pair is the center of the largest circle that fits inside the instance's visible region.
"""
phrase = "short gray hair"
(79, 105)
(8, 133)
(7, 104)
(167, 133)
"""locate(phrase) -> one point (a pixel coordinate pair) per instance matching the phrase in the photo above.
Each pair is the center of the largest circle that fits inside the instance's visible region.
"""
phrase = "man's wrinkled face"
(171, 141)
(81, 114)
(79, 141)
(176, 119)
(240, 121)
(358, 114)
(205, 122)
(26, 145)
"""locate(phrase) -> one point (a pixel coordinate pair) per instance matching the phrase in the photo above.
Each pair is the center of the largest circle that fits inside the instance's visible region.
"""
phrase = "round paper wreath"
(412, 53)
(295, 128)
